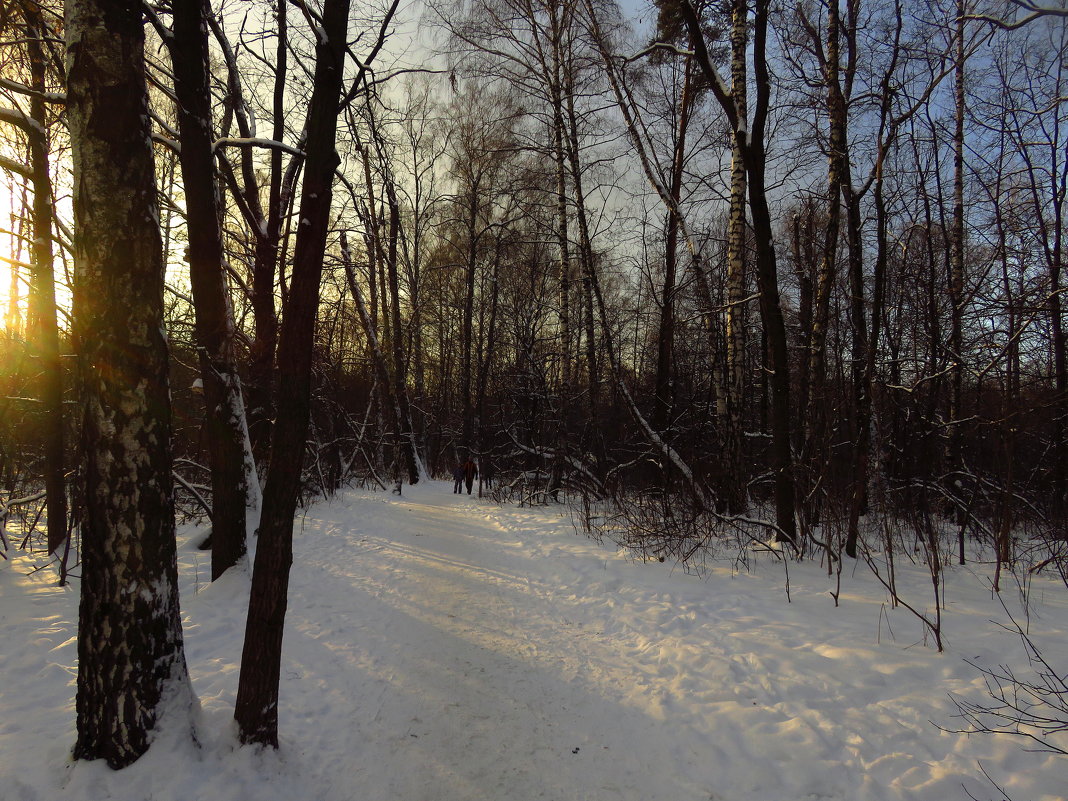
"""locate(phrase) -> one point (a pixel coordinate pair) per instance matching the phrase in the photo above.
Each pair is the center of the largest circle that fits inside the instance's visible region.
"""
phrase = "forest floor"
(439, 647)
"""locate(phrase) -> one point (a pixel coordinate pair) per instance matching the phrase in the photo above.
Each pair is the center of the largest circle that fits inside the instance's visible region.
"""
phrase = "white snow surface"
(439, 647)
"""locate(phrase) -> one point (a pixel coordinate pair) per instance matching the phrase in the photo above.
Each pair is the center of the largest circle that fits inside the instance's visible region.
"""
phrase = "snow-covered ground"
(441, 648)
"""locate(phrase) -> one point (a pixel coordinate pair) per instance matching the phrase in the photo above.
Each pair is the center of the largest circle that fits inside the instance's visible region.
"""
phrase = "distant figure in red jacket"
(470, 473)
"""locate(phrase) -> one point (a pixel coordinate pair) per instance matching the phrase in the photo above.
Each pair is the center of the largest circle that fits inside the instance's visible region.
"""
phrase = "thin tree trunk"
(400, 391)
(43, 329)
(382, 370)
(864, 370)
(586, 255)
(256, 709)
(956, 280)
(669, 454)
(266, 231)
(865, 379)
(405, 427)
(487, 358)
(802, 237)
(703, 285)
(467, 332)
(665, 340)
(816, 415)
(234, 484)
(564, 259)
(372, 239)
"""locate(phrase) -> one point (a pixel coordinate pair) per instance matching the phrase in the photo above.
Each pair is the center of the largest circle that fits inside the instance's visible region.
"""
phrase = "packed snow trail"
(487, 652)
(459, 661)
(439, 647)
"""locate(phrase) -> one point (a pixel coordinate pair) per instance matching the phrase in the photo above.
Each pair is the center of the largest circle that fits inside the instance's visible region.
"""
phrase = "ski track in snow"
(441, 648)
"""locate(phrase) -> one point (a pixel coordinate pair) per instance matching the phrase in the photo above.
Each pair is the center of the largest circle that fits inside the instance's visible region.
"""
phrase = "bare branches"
(1032, 11)
(1031, 707)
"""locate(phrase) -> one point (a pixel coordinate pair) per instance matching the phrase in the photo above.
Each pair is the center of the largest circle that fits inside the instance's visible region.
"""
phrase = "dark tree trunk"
(865, 382)
(956, 284)
(865, 378)
(586, 258)
(768, 286)
(818, 414)
(802, 236)
(405, 433)
(130, 648)
(257, 694)
(467, 333)
(775, 327)
(43, 333)
(382, 372)
(380, 392)
(224, 410)
(665, 341)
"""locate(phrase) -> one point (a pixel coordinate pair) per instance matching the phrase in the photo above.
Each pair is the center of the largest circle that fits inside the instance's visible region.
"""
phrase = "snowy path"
(483, 652)
(467, 667)
(441, 648)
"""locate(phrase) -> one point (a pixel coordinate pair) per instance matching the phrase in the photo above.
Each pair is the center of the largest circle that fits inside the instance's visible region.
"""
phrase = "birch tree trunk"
(735, 478)
(750, 137)
(563, 245)
(131, 659)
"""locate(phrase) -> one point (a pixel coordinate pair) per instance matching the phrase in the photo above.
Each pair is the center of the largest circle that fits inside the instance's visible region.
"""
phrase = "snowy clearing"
(442, 648)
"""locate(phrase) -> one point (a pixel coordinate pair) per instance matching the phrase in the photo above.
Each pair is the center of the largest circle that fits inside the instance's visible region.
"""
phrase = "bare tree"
(257, 695)
(234, 483)
(42, 335)
(265, 226)
(750, 135)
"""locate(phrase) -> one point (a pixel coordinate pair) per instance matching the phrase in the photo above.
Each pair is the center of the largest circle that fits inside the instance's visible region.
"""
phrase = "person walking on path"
(457, 478)
(470, 473)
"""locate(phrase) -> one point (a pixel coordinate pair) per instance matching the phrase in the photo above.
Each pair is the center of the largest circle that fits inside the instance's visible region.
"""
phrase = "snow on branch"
(6, 506)
(12, 116)
(15, 166)
(49, 97)
(255, 141)
(192, 490)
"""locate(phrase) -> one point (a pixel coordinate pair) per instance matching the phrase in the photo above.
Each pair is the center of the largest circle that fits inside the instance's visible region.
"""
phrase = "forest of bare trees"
(712, 273)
